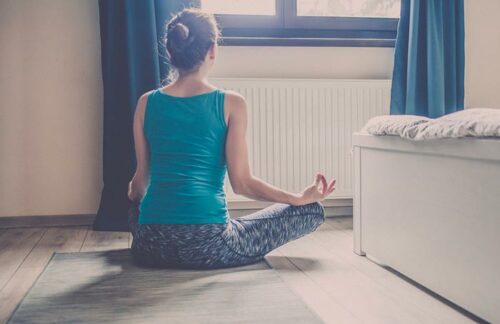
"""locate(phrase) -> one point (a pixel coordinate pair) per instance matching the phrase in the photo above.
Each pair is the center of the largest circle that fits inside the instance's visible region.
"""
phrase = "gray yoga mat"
(105, 287)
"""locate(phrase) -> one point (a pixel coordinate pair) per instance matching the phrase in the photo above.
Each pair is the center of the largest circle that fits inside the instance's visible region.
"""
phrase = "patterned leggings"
(241, 241)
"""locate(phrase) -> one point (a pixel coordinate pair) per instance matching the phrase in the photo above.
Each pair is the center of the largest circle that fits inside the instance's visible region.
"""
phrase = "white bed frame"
(431, 211)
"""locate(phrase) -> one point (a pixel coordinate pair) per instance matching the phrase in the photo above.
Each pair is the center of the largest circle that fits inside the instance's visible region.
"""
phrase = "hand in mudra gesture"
(317, 191)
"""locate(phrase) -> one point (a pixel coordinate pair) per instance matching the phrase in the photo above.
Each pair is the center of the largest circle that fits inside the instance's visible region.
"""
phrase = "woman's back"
(186, 139)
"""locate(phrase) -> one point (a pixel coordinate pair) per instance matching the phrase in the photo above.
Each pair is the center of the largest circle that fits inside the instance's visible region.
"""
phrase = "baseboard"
(333, 207)
(329, 211)
(252, 204)
(46, 220)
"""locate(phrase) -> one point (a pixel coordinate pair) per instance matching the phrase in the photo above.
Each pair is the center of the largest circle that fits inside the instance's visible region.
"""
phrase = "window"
(306, 22)
(240, 7)
(349, 8)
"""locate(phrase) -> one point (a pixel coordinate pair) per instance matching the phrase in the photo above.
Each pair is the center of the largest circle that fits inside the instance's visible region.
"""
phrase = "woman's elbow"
(239, 189)
(241, 186)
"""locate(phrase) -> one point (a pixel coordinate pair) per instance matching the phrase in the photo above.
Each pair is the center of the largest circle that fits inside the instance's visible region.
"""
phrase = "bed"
(431, 211)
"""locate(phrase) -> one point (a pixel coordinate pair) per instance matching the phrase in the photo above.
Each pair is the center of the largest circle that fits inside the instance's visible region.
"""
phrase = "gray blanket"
(475, 122)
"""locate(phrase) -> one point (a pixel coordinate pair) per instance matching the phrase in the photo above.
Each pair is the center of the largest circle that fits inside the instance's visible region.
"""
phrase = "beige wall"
(305, 62)
(50, 113)
(482, 65)
(51, 90)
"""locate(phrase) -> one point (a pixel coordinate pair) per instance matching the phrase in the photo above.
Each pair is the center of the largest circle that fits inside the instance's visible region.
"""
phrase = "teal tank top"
(187, 163)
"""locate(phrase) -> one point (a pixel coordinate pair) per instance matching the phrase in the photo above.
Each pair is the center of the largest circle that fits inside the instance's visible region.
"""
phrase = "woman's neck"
(190, 84)
(191, 80)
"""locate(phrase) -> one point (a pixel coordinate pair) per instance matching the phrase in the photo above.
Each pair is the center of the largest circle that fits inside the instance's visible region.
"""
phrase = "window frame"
(287, 29)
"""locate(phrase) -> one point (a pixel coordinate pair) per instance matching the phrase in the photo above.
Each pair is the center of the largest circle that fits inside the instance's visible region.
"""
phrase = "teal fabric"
(428, 77)
(133, 62)
(186, 137)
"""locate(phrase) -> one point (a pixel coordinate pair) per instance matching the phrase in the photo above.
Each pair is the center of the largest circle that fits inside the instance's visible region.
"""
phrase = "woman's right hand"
(317, 191)
(134, 193)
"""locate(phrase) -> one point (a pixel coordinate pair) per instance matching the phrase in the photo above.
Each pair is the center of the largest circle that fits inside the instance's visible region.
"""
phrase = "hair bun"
(188, 38)
(180, 35)
(181, 30)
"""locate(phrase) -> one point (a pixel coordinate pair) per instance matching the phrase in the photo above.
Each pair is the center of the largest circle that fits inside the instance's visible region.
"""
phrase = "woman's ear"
(212, 51)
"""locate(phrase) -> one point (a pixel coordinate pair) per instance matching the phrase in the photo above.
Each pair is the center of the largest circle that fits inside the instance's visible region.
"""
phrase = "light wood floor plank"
(344, 224)
(15, 245)
(339, 246)
(57, 239)
(103, 241)
(345, 287)
(312, 294)
(352, 288)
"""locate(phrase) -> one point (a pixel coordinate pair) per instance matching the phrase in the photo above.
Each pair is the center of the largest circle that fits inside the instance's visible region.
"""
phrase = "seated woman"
(186, 136)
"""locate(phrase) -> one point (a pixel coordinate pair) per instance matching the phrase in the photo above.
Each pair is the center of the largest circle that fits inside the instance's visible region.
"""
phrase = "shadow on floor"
(104, 285)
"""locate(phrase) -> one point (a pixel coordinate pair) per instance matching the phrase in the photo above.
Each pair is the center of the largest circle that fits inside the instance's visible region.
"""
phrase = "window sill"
(306, 42)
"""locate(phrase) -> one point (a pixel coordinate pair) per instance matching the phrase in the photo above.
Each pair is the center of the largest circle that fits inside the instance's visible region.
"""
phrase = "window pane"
(349, 8)
(240, 7)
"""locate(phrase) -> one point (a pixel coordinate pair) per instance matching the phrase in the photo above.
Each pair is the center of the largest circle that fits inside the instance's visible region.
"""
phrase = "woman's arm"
(140, 180)
(242, 180)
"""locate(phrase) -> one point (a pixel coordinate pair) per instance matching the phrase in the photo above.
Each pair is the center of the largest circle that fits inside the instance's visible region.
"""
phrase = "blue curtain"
(132, 63)
(428, 76)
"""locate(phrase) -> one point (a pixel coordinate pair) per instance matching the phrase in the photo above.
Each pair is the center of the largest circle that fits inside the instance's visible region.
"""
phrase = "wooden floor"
(321, 268)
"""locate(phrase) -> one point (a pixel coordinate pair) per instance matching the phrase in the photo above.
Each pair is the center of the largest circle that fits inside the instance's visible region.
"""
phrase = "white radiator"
(300, 126)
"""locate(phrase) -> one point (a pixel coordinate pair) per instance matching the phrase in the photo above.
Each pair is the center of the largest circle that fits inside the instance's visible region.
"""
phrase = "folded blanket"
(400, 125)
(475, 122)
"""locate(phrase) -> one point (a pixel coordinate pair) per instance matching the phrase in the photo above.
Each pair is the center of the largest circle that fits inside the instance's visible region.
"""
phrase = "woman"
(186, 136)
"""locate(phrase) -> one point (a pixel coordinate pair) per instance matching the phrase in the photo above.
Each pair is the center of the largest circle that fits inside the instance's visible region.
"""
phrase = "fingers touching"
(322, 185)
(331, 186)
(317, 180)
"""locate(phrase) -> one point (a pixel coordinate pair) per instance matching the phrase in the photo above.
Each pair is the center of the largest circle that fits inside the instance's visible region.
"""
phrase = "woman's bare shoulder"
(234, 99)
(233, 95)
(145, 95)
(141, 103)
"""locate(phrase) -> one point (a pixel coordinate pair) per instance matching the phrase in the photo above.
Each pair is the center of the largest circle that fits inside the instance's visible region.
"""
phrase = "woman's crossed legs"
(241, 241)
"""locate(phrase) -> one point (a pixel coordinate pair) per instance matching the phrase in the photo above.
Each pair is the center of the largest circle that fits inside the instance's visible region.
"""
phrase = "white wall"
(482, 65)
(51, 107)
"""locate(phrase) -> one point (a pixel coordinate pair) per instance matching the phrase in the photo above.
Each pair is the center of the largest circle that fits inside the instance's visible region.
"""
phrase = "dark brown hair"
(189, 35)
